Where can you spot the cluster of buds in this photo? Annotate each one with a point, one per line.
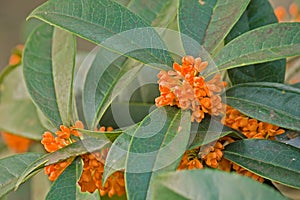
(251, 128)
(52, 143)
(187, 89)
(91, 177)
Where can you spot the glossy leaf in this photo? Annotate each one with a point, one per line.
(63, 64)
(102, 22)
(270, 159)
(20, 118)
(210, 184)
(268, 102)
(203, 21)
(18, 115)
(156, 146)
(110, 135)
(258, 13)
(267, 43)
(118, 152)
(11, 168)
(209, 130)
(151, 10)
(106, 78)
(66, 187)
(75, 149)
(38, 74)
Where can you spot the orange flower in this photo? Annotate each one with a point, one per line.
(186, 88)
(16, 56)
(91, 178)
(244, 172)
(16, 143)
(212, 154)
(53, 143)
(251, 128)
(293, 14)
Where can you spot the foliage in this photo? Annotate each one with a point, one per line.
(241, 46)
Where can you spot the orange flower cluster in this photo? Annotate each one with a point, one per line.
(251, 128)
(212, 156)
(187, 89)
(16, 143)
(209, 155)
(91, 177)
(190, 160)
(244, 172)
(51, 144)
(292, 15)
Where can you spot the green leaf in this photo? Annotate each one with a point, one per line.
(156, 146)
(151, 10)
(110, 135)
(274, 103)
(210, 184)
(258, 13)
(270, 159)
(20, 118)
(63, 64)
(11, 168)
(66, 187)
(38, 74)
(108, 75)
(118, 152)
(108, 24)
(87, 145)
(18, 115)
(209, 130)
(267, 43)
(204, 22)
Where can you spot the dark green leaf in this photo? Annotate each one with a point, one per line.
(65, 187)
(118, 152)
(270, 159)
(75, 149)
(110, 135)
(11, 169)
(108, 24)
(274, 103)
(20, 118)
(106, 78)
(18, 115)
(258, 13)
(203, 22)
(296, 85)
(150, 10)
(156, 146)
(210, 184)
(267, 43)
(39, 74)
(209, 130)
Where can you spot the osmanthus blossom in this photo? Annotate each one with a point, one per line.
(93, 168)
(290, 15)
(186, 88)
